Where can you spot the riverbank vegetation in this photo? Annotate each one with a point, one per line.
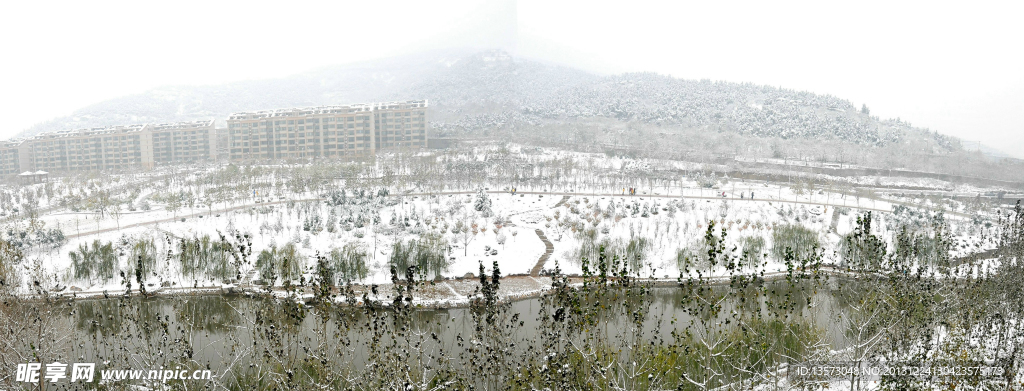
(892, 301)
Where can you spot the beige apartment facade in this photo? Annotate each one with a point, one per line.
(328, 131)
(111, 148)
(400, 125)
(10, 158)
(301, 133)
(179, 143)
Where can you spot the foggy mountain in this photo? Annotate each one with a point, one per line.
(451, 78)
(350, 83)
(474, 91)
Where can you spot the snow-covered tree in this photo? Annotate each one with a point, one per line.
(501, 239)
(483, 204)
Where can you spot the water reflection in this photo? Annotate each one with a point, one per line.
(213, 330)
(206, 313)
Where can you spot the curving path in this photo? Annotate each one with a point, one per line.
(561, 201)
(548, 250)
(548, 247)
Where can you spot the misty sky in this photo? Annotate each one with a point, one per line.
(955, 68)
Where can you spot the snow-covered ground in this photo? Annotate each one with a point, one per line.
(477, 223)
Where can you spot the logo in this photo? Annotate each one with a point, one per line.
(56, 371)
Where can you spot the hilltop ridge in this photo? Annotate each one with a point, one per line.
(473, 90)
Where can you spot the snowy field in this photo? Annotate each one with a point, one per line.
(250, 220)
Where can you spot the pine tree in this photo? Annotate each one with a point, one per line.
(483, 204)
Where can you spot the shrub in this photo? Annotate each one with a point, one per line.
(633, 253)
(143, 253)
(289, 262)
(349, 262)
(428, 255)
(99, 261)
(801, 240)
(10, 256)
(202, 256)
(861, 249)
(753, 250)
(265, 264)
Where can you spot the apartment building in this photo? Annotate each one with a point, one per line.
(10, 163)
(359, 130)
(328, 131)
(400, 125)
(178, 143)
(111, 148)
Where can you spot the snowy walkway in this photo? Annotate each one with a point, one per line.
(548, 250)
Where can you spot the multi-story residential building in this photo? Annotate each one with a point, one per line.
(400, 125)
(328, 131)
(111, 148)
(10, 158)
(222, 142)
(181, 142)
(300, 133)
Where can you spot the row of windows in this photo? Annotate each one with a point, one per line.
(189, 132)
(236, 151)
(302, 142)
(419, 113)
(299, 121)
(279, 129)
(247, 136)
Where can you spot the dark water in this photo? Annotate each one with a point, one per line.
(218, 329)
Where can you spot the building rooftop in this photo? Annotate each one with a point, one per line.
(400, 105)
(301, 111)
(339, 109)
(183, 125)
(11, 143)
(89, 132)
(118, 129)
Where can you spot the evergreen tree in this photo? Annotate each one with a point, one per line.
(483, 204)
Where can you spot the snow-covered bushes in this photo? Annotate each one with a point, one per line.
(483, 204)
(26, 239)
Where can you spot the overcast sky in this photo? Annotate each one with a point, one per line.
(955, 68)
